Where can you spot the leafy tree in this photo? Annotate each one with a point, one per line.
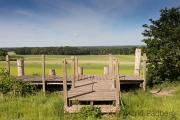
(3, 52)
(163, 47)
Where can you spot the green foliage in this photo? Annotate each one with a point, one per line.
(3, 52)
(75, 102)
(99, 50)
(10, 85)
(163, 47)
(90, 112)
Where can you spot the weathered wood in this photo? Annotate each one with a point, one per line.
(73, 70)
(52, 71)
(117, 85)
(7, 64)
(64, 83)
(43, 73)
(137, 61)
(106, 70)
(144, 71)
(80, 70)
(111, 67)
(76, 68)
(20, 64)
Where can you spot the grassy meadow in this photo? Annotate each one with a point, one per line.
(92, 64)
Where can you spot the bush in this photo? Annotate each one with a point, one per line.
(10, 85)
(90, 111)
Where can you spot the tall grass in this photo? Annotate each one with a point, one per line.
(35, 107)
(137, 105)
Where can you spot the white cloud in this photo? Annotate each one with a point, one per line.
(75, 35)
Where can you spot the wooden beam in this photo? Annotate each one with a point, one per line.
(52, 71)
(43, 73)
(76, 67)
(73, 70)
(137, 61)
(106, 70)
(144, 71)
(64, 82)
(111, 67)
(80, 70)
(117, 85)
(20, 64)
(7, 64)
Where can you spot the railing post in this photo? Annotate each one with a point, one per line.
(76, 67)
(137, 61)
(106, 70)
(111, 67)
(117, 85)
(80, 70)
(144, 71)
(64, 82)
(52, 71)
(20, 64)
(43, 73)
(72, 69)
(8, 64)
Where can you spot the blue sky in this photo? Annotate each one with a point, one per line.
(41, 23)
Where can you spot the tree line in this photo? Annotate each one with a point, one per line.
(102, 50)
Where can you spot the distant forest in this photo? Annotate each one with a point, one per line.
(98, 50)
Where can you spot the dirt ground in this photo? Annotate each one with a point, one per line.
(159, 92)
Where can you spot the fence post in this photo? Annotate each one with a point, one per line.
(137, 61)
(111, 67)
(76, 67)
(43, 73)
(8, 64)
(64, 82)
(144, 71)
(106, 70)
(117, 85)
(72, 69)
(80, 70)
(20, 64)
(52, 71)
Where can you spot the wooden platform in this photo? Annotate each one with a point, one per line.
(89, 88)
(58, 80)
(92, 91)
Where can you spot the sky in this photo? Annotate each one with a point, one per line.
(44, 23)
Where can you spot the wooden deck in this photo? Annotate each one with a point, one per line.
(58, 80)
(91, 89)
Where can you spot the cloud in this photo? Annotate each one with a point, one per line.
(75, 35)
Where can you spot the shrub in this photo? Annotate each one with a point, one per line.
(9, 84)
(90, 111)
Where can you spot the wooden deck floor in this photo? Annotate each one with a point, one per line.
(89, 88)
(93, 90)
(124, 79)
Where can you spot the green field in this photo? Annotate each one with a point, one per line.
(92, 64)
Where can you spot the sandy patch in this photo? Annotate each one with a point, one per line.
(160, 92)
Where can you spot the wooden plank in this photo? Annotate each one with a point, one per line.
(117, 85)
(43, 73)
(20, 65)
(137, 61)
(64, 83)
(7, 64)
(76, 67)
(73, 70)
(144, 71)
